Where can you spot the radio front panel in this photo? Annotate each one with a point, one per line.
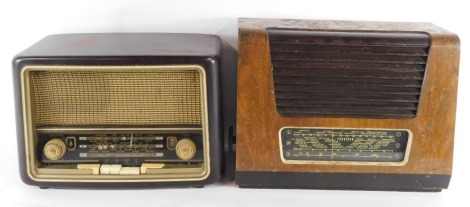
(105, 123)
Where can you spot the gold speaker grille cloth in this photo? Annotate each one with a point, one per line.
(164, 97)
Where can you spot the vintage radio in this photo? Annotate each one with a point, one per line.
(345, 105)
(119, 110)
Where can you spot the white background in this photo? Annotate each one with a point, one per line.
(22, 23)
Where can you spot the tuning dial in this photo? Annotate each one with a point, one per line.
(54, 149)
(185, 149)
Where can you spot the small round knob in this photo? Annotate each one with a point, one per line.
(54, 149)
(185, 149)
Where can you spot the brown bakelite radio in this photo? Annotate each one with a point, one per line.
(345, 105)
(119, 110)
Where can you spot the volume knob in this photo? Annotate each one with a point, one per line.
(185, 149)
(54, 149)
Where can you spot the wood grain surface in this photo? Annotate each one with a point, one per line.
(258, 122)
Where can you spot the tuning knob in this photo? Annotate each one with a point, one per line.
(185, 149)
(54, 149)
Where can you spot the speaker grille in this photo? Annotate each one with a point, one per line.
(348, 74)
(117, 98)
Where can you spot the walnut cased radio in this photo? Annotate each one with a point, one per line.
(119, 110)
(345, 105)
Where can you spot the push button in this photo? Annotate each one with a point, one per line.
(171, 142)
(71, 143)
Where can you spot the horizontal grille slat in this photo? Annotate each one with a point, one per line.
(328, 112)
(341, 89)
(348, 74)
(347, 82)
(348, 58)
(363, 50)
(345, 104)
(348, 97)
(349, 38)
(350, 66)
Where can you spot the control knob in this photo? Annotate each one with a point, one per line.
(185, 149)
(54, 149)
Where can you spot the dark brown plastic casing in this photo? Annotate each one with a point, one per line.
(126, 49)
